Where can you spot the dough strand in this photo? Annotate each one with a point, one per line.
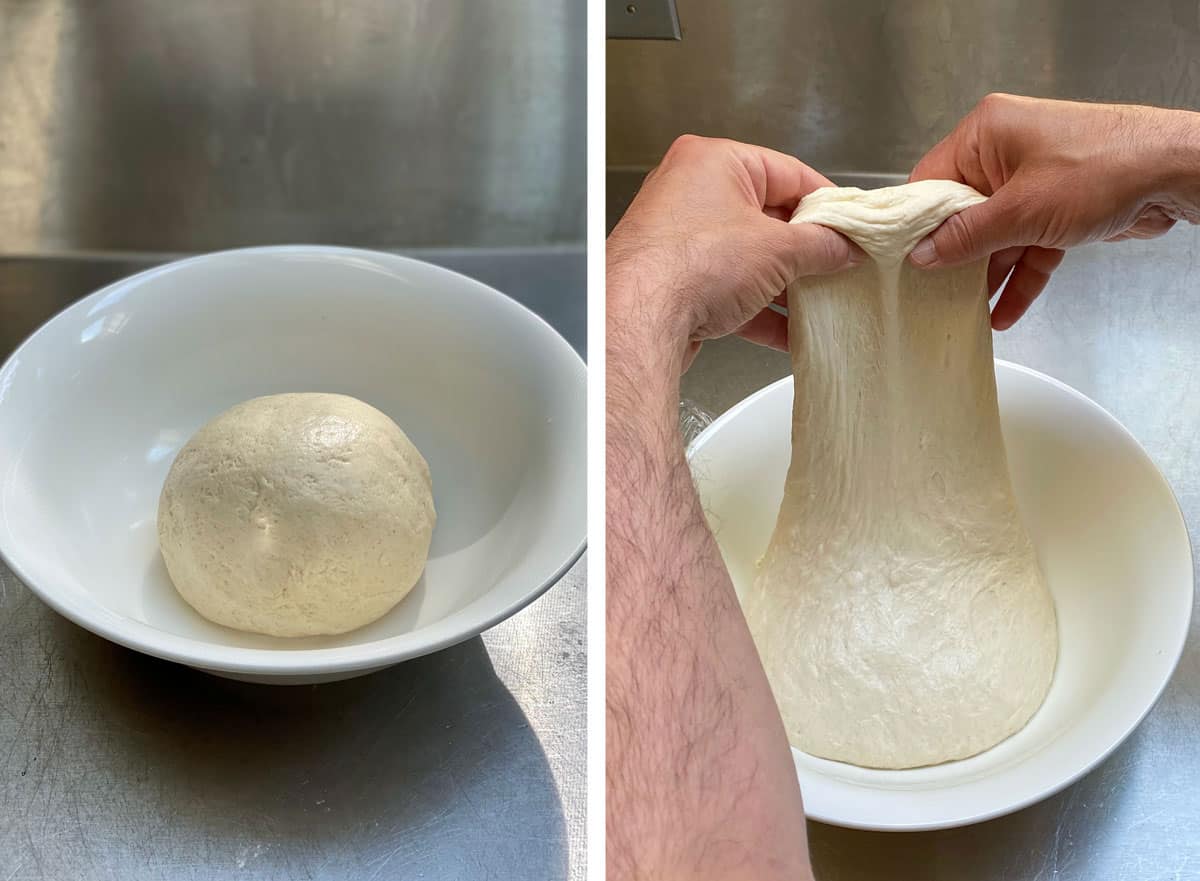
(899, 610)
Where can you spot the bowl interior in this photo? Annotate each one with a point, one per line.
(95, 406)
(1115, 552)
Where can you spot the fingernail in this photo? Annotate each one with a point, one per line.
(857, 255)
(924, 254)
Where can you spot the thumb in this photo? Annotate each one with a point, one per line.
(972, 234)
(809, 249)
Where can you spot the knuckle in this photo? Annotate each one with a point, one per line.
(814, 250)
(831, 252)
(686, 143)
(994, 101)
(956, 237)
(994, 108)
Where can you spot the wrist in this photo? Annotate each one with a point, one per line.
(642, 372)
(646, 330)
(642, 369)
(1176, 164)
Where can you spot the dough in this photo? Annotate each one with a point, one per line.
(296, 515)
(899, 610)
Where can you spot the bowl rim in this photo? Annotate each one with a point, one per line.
(1040, 792)
(145, 638)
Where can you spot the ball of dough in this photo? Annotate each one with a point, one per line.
(296, 515)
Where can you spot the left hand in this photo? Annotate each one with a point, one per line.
(706, 247)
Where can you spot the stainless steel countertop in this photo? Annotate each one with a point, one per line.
(465, 764)
(1121, 323)
(347, 122)
(872, 85)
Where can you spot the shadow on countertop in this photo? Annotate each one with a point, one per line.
(426, 770)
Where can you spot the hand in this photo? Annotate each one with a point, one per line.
(706, 247)
(1059, 173)
(701, 783)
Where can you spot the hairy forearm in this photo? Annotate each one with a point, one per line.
(1173, 165)
(700, 780)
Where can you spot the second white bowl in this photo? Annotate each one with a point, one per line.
(1114, 549)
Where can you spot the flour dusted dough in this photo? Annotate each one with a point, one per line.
(296, 515)
(899, 609)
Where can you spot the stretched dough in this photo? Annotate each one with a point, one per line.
(899, 610)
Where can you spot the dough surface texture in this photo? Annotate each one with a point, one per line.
(296, 515)
(899, 609)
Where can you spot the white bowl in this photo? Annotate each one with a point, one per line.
(1115, 552)
(94, 406)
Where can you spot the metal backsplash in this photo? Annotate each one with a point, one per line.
(869, 85)
(143, 125)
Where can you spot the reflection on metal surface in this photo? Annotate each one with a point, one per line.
(549, 281)
(869, 86)
(144, 126)
(432, 769)
(1121, 323)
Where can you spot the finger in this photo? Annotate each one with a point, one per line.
(781, 299)
(777, 212)
(780, 180)
(767, 328)
(808, 249)
(1028, 279)
(1000, 265)
(973, 233)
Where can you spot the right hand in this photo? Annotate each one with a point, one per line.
(1058, 173)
